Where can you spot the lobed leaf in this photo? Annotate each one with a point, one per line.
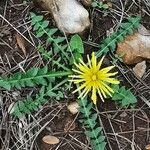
(123, 96)
(29, 105)
(89, 121)
(125, 28)
(33, 77)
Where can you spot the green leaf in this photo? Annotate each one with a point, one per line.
(101, 138)
(123, 96)
(100, 146)
(77, 56)
(89, 134)
(59, 39)
(77, 44)
(43, 70)
(33, 77)
(42, 91)
(29, 83)
(94, 4)
(110, 42)
(52, 31)
(45, 24)
(5, 84)
(55, 42)
(117, 96)
(32, 72)
(88, 119)
(36, 26)
(105, 6)
(40, 34)
(40, 81)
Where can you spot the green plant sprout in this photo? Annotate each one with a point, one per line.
(99, 5)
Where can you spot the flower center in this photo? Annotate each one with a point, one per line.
(94, 77)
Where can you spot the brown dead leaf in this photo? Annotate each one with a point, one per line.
(140, 69)
(21, 43)
(147, 147)
(48, 139)
(134, 49)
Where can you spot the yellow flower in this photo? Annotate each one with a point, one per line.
(91, 77)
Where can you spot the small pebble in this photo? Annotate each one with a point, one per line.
(73, 107)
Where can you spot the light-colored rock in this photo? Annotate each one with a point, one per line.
(69, 15)
(147, 147)
(135, 48)
(142, 30)
(48, 139)
(140, 69)
(86, 2)
(73, 107)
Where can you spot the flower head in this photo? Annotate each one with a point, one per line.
(91, 77)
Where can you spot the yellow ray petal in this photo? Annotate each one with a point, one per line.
(107, 69)
(94, 98)
(76, 81)
(111, 74)
(76, 65)
(84, 93)
(77, 71)
(106, 89)
(84, 69)
(94, 61)
(111, 80)
(81, 87)
(81, 61)
(89, 61)
(76, 76)
(100, 95)
(103, 93)
(100, 63)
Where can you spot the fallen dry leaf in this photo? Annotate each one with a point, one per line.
(140, 69)
(147, 147)
(21, 43)
(48, 139)
(134, 49)
(73, 107)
